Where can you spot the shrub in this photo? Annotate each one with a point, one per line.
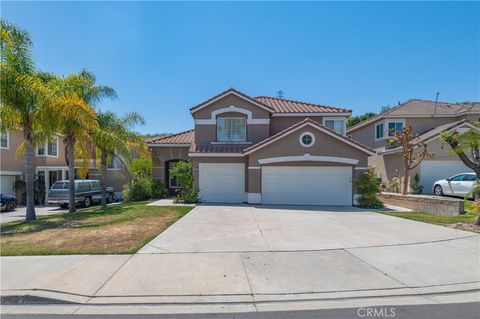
(143, 188)
(183, 172)
(393, 185)
(415, 185)
(158, 189)
(140, 167)
(368, 187)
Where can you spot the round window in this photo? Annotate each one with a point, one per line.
(307, 139)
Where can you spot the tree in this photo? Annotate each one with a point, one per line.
(357, 119)
(115, 138)
(76, 97)
(466, 146)
(24, 100)
(409, 145)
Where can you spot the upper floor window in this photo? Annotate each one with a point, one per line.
(4, 140)
(231, 129)
(48, 149)
(336, 125)
(394, 127)
(379, 131)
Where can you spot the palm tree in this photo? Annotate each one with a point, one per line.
(24, 100)
(76, 97)
(116, 138)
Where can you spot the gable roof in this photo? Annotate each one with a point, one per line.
(293, 106)
(432, 134)
(423, 108)
(299, 125)
(229, 92)
(182, 138)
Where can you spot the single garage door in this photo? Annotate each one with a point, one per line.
(307, 185)
(6, 184)
(432, 171)
(222, 183)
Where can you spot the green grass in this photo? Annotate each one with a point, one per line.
(121, 228)
(466, 218)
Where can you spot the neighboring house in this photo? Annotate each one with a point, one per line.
(49, 161)
(428, 120)
(265, 150)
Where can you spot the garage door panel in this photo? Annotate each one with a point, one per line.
(432, 171)
(6, 184)
(307, 185)
(222, 182)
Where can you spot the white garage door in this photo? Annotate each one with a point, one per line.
(222, 183)
(6, 184)
(432, 171)
(307, 185)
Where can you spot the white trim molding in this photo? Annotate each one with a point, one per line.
(168, 145)
(11, 173)
(254, 167)
(250, 100)
(309, 158)
(232, 108)
(215, 154)
(361, 168)
(254, 198)
(310, 114)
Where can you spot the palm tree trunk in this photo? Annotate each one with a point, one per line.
(103, 168)
(29, 179)
(71, 176)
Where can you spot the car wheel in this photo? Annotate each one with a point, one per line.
(87, 202)
(63, 206)
(11, 205)
(438, 190)
(110, 198)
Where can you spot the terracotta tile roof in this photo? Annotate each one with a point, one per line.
(231, 90)
(292, 106)
(218, 148)
(430, 134)
(295, 126)
(187, 137)
(422, 108)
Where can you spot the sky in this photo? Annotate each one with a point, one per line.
(164, 57)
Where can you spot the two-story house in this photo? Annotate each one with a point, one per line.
(49, 162)
(428, 120)
(265, 150)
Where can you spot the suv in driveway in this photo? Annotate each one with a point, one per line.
(86, 192)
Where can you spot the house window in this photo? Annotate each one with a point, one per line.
(379, 131)
(4, 140)
(231, 129)
(336, 125)
(52, 147)
(307, 139)
(114, 163)
(172, 180)
(394, 127)
(48, 149)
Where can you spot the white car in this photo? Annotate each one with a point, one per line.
(457, 185)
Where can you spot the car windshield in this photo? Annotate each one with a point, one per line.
(60, 185)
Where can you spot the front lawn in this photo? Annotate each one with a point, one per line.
(120, 229)
(464, 221)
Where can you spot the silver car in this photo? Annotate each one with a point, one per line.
(457, 185)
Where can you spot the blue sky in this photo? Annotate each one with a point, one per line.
(164, 57)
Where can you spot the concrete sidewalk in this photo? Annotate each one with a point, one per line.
(255, 281)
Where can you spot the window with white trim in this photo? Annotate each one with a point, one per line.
(336, 125)
(231, 129)
(48, 149)
(4, 140)
(394, 127)
(379, 131)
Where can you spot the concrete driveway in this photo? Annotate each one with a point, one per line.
(20, 212)
(210, 228)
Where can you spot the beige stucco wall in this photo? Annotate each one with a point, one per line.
(160, 155)
(279, 123)
(257, 112)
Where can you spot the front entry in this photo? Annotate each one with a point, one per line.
(222, 182)
(300, 185)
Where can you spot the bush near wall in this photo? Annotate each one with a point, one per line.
(368, 187)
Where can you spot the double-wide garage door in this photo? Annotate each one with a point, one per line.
(307, 185)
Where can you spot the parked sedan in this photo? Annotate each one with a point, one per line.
(9, 202)
(457, 185)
